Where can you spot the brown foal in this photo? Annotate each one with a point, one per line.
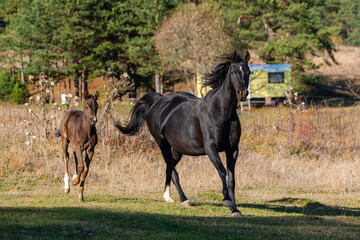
(78, 127)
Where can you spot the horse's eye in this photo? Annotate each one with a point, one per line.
(86, 107)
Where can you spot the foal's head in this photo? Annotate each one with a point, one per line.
(239, 73)
(91, 107)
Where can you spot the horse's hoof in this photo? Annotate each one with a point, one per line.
(228, 203)
(66, 190)
(186, 203)
(75, 182)
(81, 199)
(236, 214)
(169, 200)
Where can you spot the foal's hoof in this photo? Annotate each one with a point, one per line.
(81, 199)
(186, 203)
(66, 190)
(75, 182)
(236, 213)
(228, 203)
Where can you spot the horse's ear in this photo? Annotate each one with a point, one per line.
(234, 55)
(97, 95)
(247, 56)
(86, 93)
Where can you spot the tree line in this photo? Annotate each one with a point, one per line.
(148, 39)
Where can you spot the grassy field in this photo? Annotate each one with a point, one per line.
(297, 176)
(37, 213)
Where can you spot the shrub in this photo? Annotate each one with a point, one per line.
(306, 84)
(11, 88)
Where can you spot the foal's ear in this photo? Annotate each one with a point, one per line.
(97, 95)
(247, 56)
(86, 93)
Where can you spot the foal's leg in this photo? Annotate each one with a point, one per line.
(65, 156)
(80, 165)
(171, 173)
(212, 152)
(76, 164)
(88, 156)
(231, 156)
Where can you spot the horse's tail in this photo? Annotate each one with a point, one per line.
(138, 114)
(58, 134)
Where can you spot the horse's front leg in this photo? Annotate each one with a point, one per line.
(231, 156)
(212, 151)
(88, 156)
(80, 165)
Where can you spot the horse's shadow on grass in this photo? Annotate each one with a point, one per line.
(298, 205)
(81, 222)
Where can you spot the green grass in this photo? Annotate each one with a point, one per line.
(38, 213)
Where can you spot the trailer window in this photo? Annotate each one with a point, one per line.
(277, 77)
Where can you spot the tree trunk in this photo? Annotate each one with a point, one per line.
(83, 83)
(158, 82)
(22, 69)
(188, 81)
(69, 85)
(65, 90)
(195, 83)
(52, 98)
(76, 84)
(59, 92)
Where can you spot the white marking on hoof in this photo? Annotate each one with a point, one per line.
(167, 196)
(66, 181)
(74, 177)
(186, 203)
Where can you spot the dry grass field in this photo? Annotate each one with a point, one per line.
(317, 149)
(290, 161)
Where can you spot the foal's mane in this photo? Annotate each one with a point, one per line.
(217, 76)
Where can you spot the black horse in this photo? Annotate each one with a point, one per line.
(184, 124)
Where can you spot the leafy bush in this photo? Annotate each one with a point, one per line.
(11, 88)
(306, 84)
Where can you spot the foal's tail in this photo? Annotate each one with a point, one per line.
(138, 114)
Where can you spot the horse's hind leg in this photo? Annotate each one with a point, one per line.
(65, 156)
(88, 156)
(176, 158)
(172, 174)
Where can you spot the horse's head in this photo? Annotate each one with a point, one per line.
(239, 73)
(91, 107)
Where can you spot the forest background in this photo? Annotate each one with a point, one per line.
(170, 40)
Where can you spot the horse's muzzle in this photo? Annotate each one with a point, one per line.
(93, 121)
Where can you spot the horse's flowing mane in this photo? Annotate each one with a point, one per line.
(217, 76)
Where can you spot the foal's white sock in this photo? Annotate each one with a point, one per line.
(67, 180)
